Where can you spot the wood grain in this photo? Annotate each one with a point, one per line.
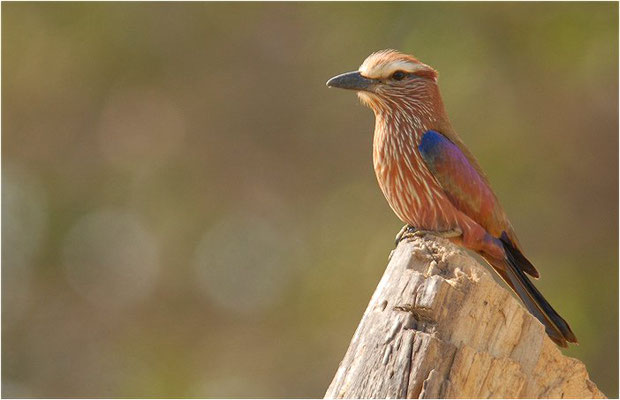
(439, 326)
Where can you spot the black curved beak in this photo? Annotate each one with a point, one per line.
(352, 81)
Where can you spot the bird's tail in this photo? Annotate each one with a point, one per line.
(512, 272)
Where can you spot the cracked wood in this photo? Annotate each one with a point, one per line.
(439, 326)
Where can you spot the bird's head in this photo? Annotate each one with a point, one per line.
(388, 78)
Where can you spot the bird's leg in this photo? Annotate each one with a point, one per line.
(409, 231)
(405, 232)
(450, 233)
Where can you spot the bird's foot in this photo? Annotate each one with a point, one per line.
(409, 231)
(406, 231)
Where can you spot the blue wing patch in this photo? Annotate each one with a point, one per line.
(433, 147)
(460, 181)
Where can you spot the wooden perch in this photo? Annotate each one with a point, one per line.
(439, 326)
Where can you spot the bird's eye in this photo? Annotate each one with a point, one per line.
(398, 75)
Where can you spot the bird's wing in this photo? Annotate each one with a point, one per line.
(469, 191)
(465, 187)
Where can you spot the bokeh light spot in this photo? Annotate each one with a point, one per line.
(111, 259)
(242, 264)
(24, 223)
(140, 126)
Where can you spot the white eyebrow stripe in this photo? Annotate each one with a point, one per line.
(384, 70)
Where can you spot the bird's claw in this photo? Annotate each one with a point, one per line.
(406, 231)
(450, 233)
(409, 231)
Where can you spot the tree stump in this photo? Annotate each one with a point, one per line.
(439, 326)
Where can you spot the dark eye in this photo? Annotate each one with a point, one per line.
(398, 75)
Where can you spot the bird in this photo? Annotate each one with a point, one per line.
(431, 180)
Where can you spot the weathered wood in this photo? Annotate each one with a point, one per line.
(439, 326)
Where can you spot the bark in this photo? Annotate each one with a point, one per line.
(439, 326)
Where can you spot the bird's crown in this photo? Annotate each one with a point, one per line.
(384, 63)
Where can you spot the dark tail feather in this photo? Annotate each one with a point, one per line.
(511, 271)
(520, 261)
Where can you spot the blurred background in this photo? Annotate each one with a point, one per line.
(188, 211)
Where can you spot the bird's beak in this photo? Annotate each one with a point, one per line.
(352, 81)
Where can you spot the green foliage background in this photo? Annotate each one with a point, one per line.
(188, 210)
